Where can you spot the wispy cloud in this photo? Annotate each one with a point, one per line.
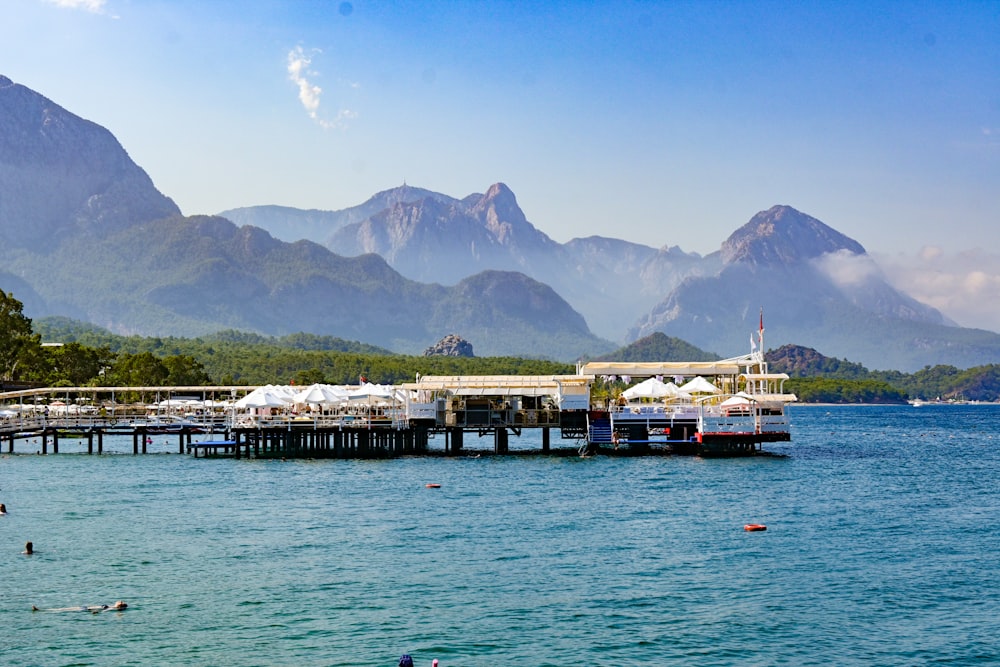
(964, 286)
(310, 93)
(94, 6)
(846, 269)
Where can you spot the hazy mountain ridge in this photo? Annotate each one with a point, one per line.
(292, 224)
(489, 231)
(817, 288)
(87, 235)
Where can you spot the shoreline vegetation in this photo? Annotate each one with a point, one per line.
(58, 351)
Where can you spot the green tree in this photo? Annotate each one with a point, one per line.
(138, 370)
(19, 346)
(183, 370)
(71, 365)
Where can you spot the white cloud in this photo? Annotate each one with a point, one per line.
(310, 93)
(964, 286)
(847, 269)
(95, 6)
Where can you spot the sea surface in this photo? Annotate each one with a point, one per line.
(882, 548)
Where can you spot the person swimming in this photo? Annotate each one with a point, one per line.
(3, 509)
(119, 605)
(29, 549)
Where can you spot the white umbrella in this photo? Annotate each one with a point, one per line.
(262, 397)
(737, 399)
(319, 394)
(369, 390)
(700, 385)
(651, 388)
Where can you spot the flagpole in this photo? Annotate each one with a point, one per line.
(760, 334)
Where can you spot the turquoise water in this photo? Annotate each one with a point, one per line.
(882, 548)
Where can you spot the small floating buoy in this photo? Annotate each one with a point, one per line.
(753, 527)
(433, 486)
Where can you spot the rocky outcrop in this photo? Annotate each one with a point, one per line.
(451, 345)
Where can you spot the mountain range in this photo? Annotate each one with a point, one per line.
(87, 235)
(817, 286)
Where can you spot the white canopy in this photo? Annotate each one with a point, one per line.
(699, 385)
(651, 388)
(741, 398)
(320, 394)
(369, 390)
(264, 397)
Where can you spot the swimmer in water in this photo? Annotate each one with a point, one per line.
(92, 608)
(3, 509)
(29, 549)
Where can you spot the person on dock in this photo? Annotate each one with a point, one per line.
(119, 605)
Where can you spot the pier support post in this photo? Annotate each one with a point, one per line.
(456, 440)
(90, 442)
(100, 442)
(500, 441)
(546, 439)
(55, 442)
(45, 442)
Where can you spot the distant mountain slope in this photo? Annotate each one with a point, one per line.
(60, 174)
(293, 224)
(659, 347)
(800, 361)
(66, 330)
(193, 276)
(818, 288)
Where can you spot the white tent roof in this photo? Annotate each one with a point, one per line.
(320, 394)
(264, 397)
(699, 385)
(651, 388)
(737, 399)
(369, 390)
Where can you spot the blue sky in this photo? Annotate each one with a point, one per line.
(664, 123)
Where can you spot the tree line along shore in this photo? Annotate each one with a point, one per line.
(62, 352)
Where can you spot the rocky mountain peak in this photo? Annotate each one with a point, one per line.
(451, 345)
(499, 213)
(783, 235)
(403, 194)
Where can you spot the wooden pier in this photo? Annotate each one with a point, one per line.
(734, 417)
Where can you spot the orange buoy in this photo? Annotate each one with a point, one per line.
(433, 486)
(753, 527)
